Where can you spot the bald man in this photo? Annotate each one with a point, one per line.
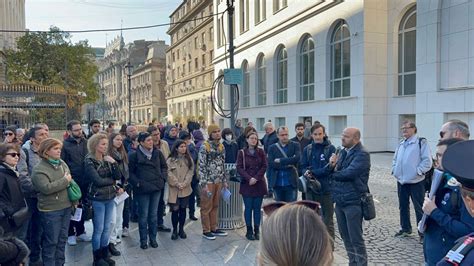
(350, 173)
(454, 129)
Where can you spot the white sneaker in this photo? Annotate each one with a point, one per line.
(71, 240)
(125, 232)
(118, 241)
(84, 238)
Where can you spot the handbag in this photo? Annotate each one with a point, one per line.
(368, 206)
(74, 191)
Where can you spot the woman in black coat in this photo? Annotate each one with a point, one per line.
(148, 171)
(11, 197)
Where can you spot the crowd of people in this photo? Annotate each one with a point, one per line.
(132, 175)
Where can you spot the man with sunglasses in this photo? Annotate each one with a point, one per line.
(350, 174)
(411, 161)
(454, 129)
(457, 160)
(29, 158)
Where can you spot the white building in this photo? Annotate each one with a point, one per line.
(364, 63)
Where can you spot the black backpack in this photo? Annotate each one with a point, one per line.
(429, 173)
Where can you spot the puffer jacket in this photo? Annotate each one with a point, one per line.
(351, 178)
(103, 176)
(147, 176)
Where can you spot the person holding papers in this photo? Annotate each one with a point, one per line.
(448, 217)
(116, 150)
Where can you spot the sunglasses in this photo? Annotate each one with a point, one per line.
(441, 134)
(8, 134)
(14, 154)
(270, 208)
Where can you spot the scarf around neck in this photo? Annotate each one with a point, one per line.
(148, 153)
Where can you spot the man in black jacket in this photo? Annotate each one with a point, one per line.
(269, 139)
(350, 174)
(74, 152)
(283, 158)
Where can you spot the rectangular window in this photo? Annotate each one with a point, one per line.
(211, 55)
(244, 16)
(219, 37)
(196, 43)
(245, 121)
(260, 123)
(203, 38)
(196, 64)
(279, 4)
(337, 125)
(280, 121)
(189, 66)
(211, 33)
(203, 60)
(260, 11)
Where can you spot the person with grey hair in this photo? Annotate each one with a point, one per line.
(20, 133)
(283, 159)
(269, 139)
(411, 161)
(454, 129)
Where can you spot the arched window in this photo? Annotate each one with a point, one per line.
(306, 70)
(407, 53)
(340, 61)
(261, 81)
(282, 76)
(245, 92)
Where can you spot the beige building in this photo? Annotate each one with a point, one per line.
(12, 17)
(148, 86)
(190, 72)
(147, 80)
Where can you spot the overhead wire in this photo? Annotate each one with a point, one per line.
(113, 29)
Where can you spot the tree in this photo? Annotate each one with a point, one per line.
(50, 58)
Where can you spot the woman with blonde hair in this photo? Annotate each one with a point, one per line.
(51, 177)
(103, 171)
(294, 234)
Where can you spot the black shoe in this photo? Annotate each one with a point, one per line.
(182, 234)
(163, 228)
(143, 245)
(98, 260)
(113, 250)
(153, 243)
(192, 217)
(219, 233)
(174, 236)
(256, 233)
(249, 234)
(209, 236)
(105, 256)
(402, 233)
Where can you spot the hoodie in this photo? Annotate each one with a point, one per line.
(168, 138)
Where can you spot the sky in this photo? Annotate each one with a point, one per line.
(102, 14)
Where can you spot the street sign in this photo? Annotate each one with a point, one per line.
(233, 76)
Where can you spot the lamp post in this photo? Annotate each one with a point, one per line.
(129, 70)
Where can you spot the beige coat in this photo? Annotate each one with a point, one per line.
(179, 172)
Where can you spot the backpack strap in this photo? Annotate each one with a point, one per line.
(420, 141)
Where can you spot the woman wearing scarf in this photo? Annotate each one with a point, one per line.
(148, 172)
(103, 171)
(117, 151)
(51, 177)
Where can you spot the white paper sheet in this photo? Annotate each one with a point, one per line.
(436, 180)
(121, 198)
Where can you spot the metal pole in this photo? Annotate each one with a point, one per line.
(103, 111)
(230, 13)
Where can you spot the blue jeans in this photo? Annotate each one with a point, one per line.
(286, 193)
(417, 194)
(55, 230)
(147, 215)
(349, 222)
(103, 211)
(253, 205)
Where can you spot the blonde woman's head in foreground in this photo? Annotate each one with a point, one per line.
(295, 235)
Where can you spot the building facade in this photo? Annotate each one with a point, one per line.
(366, 63)
(147, 85)
(190, 72)
(12, 17)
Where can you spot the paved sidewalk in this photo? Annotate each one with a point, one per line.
(383, 248)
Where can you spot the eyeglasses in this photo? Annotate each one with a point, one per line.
(405, 128)
(272, 207)
(8, 134)
(14, 154)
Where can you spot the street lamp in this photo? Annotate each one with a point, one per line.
(129, 70)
